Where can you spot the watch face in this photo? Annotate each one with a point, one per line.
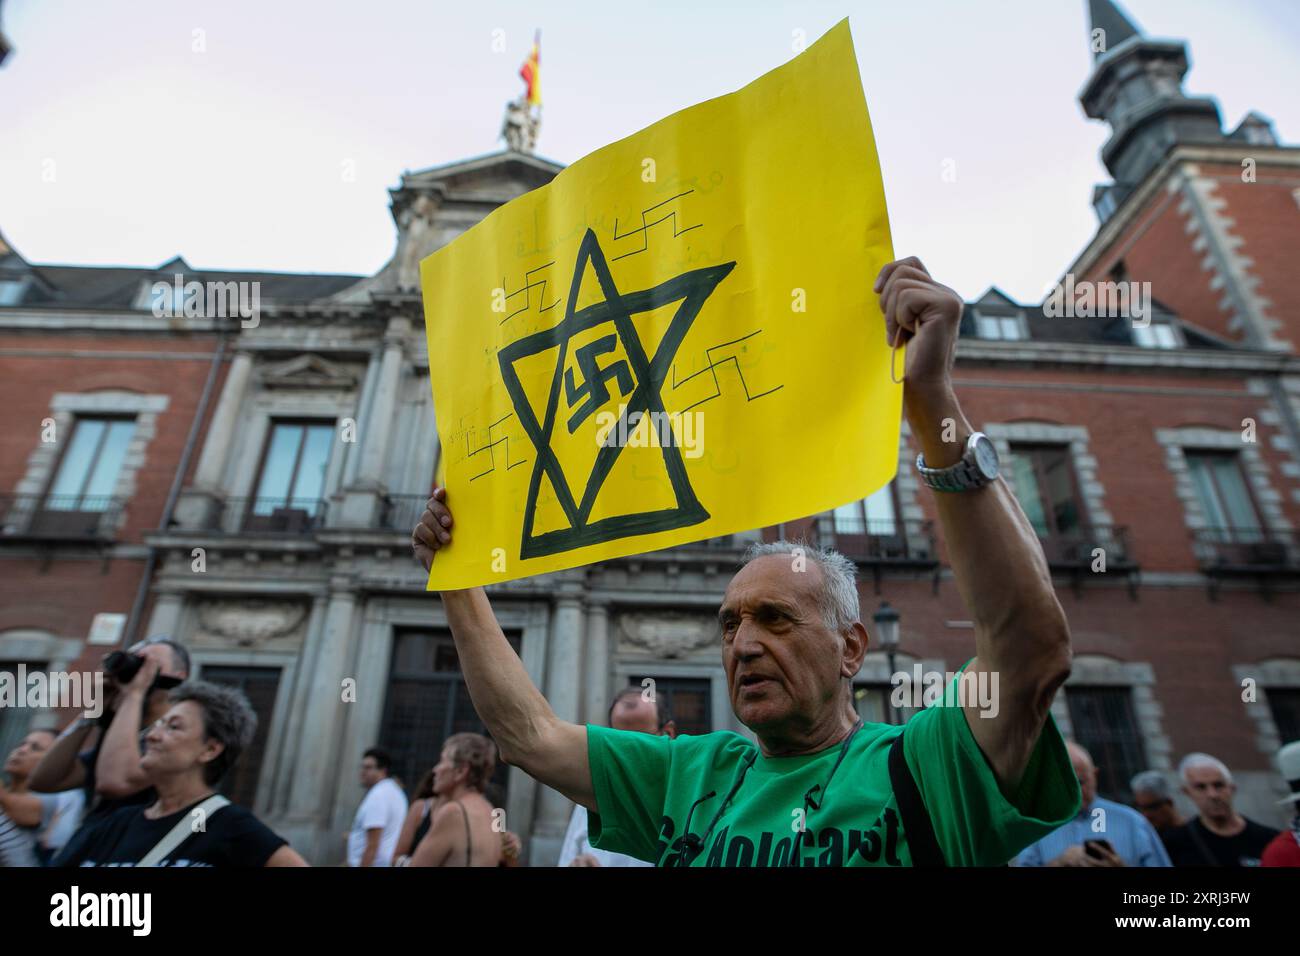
(986, 457)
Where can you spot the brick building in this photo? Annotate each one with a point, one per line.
(295, 452)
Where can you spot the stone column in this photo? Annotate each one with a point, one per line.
(316, 769)
(380, 424)
(563, 676)
(360, 503)
(286, 757)
(166, 616)
(198, 506)
(216, 447)
(596, 678)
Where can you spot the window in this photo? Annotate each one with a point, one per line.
(428, 702)
(1221, 490)
(11, 291)
(167, 300)
(1155, 335)
(873, 515)
(1045, 487)
(688, 700)
(293, 467)
(90, 465)
(1104, 725)
(1284, 702)
(259, 685)
(1002, 327)
(15, 722)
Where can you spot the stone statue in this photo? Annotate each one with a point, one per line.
(413, 242)
(521, 126)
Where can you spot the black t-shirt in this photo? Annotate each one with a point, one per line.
(231, 837)
(1243, 849)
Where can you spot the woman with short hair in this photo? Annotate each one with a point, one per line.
(462, 831)
(187, 752)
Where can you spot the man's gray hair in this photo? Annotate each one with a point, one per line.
(839, 592)
(1152, 782)
(1192, 761)
(228, 718)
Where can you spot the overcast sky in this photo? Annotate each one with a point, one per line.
(235, 156)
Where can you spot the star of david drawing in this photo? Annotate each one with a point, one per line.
(642, 375)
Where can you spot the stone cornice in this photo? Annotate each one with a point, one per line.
(973, 352)
(57, 319)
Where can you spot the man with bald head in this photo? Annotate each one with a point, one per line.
(1104, 833)
(639, 711)
(962, 784)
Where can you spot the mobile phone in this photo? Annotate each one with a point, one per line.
(1092, 847)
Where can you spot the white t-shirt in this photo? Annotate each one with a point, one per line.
(575, 843)
(383, 807)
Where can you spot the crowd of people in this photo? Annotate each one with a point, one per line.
(138, 787)
(954, 786)
(1154, 833)
(121, 812)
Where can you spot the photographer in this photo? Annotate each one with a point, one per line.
(187, 752)
(102, 755)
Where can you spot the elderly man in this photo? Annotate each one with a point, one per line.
(632, 710)
(1104, 833)
(822, 789)
(1155, 800)
(1219, 835)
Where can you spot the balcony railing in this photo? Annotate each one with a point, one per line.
(59, 517)
(401, 512)
(1091, 552)
(878, 541)
(1247, 551)
(286, 516)
(1084, 547)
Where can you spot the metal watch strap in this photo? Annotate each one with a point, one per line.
(961, 476)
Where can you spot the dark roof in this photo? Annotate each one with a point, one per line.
(118, 287)
(1078, 330)
(1116, 27)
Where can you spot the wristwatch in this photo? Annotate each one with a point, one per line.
(978, 466)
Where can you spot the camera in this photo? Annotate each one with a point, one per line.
(122, 666)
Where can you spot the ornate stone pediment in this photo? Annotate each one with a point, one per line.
(248, 622)
(433, 206)
(306, 371)
(668, 635)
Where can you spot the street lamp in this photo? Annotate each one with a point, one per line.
(886, 621)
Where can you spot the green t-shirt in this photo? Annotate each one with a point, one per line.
(645, 786)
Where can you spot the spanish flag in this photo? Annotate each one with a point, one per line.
(531, 72)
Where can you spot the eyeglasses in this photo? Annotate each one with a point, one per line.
(1152, 807)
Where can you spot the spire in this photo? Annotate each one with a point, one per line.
(1136, 87)
(1114, 26)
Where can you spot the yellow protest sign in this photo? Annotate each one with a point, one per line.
(674, 339)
